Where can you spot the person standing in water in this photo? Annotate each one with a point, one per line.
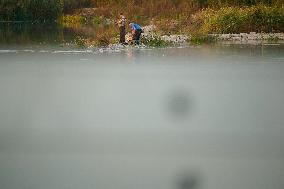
(122, 31)
(136, 31)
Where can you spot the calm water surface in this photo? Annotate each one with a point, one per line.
(208, 116)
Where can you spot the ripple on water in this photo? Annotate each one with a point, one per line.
(8, 51)
(71, 51)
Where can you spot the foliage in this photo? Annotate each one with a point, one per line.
(237, 19)
(31, 10)
(73, 21)
(135, 10)
(168, 26)
(154, 41)
(80, 42)
(273, 39)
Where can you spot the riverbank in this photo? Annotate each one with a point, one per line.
(254, 24)
(150, 37)
(96, 24)
(241, 38)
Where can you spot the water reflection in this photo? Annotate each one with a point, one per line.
(34, 33)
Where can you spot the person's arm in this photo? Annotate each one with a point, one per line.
(119, 22)
(133, 31)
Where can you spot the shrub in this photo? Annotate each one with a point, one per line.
(73, 21)
(236, 20)
(154, 41)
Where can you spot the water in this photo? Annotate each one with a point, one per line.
(206, 116)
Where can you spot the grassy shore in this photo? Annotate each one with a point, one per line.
(259, 18)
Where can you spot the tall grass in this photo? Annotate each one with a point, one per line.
(258, 18)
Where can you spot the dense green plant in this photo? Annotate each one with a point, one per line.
(154, 41)
(236, 20)
(30, 10)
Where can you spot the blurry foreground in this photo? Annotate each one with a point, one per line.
(176, 118)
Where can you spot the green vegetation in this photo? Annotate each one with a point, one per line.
(80, 42)
(273, 39)
(198, 39)
(73, 21)
(154, 41)
(239, 20)
(30, 10)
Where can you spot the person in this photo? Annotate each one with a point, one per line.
(136, 31)
(122, 31)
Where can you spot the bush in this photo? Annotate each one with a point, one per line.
(154, 41)
(237, 20)
(73, 21)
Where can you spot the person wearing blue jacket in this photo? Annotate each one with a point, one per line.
(136, 31)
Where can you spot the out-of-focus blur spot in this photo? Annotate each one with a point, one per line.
(115, 120)
(188, 181)
(179, 104)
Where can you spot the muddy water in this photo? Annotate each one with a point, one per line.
(196, 117)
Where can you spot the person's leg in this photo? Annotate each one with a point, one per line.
(138, 34)
(122, 34)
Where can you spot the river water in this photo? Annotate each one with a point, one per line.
(209, 116)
